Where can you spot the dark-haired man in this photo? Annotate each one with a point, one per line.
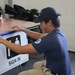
(53, 45)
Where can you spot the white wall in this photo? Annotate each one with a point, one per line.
(65, 7)
(2, 4)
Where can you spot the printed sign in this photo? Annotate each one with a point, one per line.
(16, 40)
(8, 58)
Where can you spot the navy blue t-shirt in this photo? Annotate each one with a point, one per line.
(54, 46)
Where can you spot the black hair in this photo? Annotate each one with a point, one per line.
(56, 22)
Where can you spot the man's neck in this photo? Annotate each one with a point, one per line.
(52, 28)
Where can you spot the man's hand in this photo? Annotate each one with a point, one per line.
(1, 39)
(19, 28)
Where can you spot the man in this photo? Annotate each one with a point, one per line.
(52, 43)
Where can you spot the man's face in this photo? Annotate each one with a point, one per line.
(45, 27)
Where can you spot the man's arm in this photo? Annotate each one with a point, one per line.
(18, 48)
(33, 34)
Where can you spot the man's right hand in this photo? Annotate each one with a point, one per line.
(19, 28)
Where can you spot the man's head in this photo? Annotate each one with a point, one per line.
(50, 16)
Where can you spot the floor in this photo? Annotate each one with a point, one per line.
(32, 60)
(72, 57)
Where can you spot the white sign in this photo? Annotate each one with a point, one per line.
(8, 58)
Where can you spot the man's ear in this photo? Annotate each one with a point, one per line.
(50, 22)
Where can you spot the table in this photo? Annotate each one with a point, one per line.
(8, 23)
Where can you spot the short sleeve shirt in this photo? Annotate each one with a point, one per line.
(54, 47)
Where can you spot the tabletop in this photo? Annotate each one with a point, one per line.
(8, 23)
